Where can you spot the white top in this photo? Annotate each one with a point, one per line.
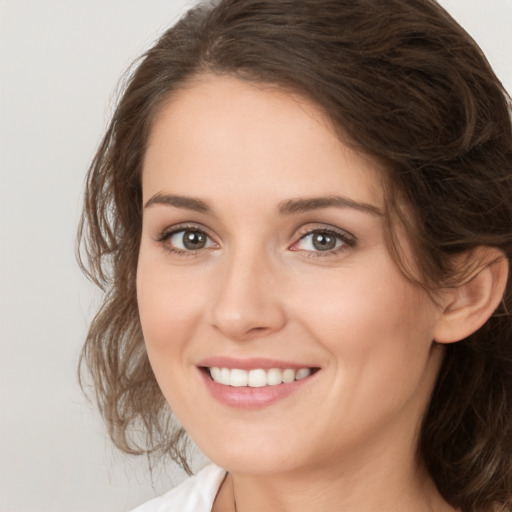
(196, 494)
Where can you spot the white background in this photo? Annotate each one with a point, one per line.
(60, 61)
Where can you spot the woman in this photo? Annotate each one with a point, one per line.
(301, 217)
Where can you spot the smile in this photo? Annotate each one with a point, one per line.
(255, 383)
(257, 378)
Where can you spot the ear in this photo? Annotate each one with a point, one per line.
(469, 305)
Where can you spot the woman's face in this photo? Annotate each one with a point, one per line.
(263, 255)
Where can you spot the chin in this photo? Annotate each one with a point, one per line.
(261, 456)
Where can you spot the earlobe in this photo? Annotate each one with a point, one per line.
(471, 303)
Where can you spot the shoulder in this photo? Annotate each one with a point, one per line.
(196, 494)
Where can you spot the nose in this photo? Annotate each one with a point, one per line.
(248, 302)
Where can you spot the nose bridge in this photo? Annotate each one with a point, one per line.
(247, 302)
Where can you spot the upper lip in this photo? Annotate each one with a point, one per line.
(251, 363)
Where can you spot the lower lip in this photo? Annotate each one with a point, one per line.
(251, 398)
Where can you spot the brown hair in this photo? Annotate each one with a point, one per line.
(407, 85)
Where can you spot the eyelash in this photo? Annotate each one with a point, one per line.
(347, 241)
(164, 238)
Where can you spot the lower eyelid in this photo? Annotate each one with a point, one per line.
(323, 254)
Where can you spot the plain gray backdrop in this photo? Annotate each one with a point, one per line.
(60, 62)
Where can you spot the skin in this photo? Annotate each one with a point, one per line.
(346, 440)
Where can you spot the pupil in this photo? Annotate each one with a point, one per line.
(194, 240)
(324, 242)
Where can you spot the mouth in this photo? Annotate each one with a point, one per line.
(257, 377)
(255, 383)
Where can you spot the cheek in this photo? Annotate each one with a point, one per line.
(374, 322)
(169, 309)
(169, 305)
(378, 332)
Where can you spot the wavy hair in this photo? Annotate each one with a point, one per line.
(405, 84)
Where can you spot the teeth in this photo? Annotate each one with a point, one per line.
(274, 377)
(257, 378)
(215, 374)
(288, 376)
(225, 376)
(237, 378)
(302, 373)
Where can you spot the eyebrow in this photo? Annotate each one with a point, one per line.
(303, 205)
(188, 203)
(288, 207)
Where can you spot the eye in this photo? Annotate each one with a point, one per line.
(187, 240)
(323, 240)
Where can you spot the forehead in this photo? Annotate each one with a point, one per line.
(222, 129)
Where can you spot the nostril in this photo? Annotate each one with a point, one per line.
(258, 329)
